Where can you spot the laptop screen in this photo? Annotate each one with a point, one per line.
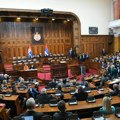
(28, 118)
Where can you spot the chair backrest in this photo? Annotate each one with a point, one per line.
(73, 101)
(72, 92)
(117, 112)
(53, 102)
(91, 99)
(46, 117)
(74, 117)
(97, 115)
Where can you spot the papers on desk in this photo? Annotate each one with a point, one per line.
(115, 81)
(100, 118)
(73, 103)
(31, 70)
(52, 105)
(118, 115)
(100, 92)
(8, 94)
(21, 88)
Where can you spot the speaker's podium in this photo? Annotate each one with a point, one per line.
(28, 73)
(59, 70)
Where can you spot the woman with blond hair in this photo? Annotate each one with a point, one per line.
(107, 108)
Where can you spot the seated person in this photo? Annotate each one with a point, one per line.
(26, 67)
(30, 104)
(59, 90)
(22, 98)
(103, 80)
(62, 115)
(107, 108)
(21, 80)
(33, 92)
(116, 90)
(44, 98)
(32, 67)
(84, 82)
(80, 94)
(52, 84)
(63, 84)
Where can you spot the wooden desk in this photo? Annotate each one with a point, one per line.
(15, 99)
(24, 92)
(110, 83)
(82, 105)
(28, 73)
(67, 96)
(107, 117)
(67, 89)
(3, 113)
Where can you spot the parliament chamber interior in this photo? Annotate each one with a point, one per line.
(59, 63)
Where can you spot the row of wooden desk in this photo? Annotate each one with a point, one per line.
(82, 105)
(107, 117)
(95, 93)
(67, 89)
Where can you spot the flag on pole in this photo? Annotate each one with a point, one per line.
(46, 52)
(30, 54)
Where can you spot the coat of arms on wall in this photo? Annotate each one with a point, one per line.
(37, 35)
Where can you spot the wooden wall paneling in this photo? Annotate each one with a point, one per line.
(59, 30)
(90, 52)
(37, 49)
(55, 49)
(17, 36)
(98, 42)
(34, 49)
(81, 47)
(21, 51)
(12, 52)
(62, 48)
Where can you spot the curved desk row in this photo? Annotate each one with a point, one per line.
(82, 105)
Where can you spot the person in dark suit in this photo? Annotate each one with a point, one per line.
(32, 67)
(44, 98)
(103, 52)
(52, 84)
(62, 115)
(33, 92)
(81, 94)
(30, 104)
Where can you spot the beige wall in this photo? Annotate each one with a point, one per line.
(92, 13)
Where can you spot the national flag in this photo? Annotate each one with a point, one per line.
(30, 54)
(46, 52)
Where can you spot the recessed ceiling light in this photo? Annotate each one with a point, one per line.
(68, 20)
(18, 18)
(36, 19)
(53, 19)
